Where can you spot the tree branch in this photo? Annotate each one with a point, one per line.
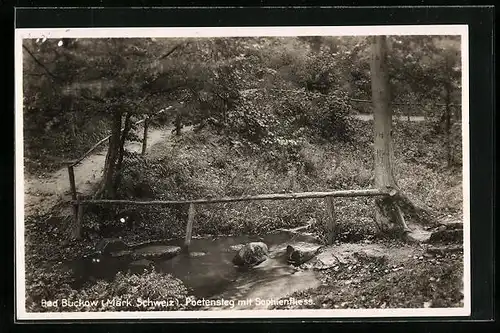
(57, 79)
(171, 51)
(163, 57)
(52, 75)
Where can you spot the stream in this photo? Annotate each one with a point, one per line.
(209, 273)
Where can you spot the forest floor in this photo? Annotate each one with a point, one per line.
(390, 274)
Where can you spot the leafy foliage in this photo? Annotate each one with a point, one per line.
(127, 292)
(73, 85)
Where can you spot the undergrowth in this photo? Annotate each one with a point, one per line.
(421, 283)
(204, 165)
(45, 153)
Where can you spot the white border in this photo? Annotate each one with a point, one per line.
(461, 30)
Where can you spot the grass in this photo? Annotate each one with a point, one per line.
(199, 165)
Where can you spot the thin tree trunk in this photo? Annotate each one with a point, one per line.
(107, 184)
(119, 166)
(447, 88)
(224, 113)
(178, 123)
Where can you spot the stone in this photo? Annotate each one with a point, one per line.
(329, 259)
(301, 252)
(251, 254)
(236, 247)
(140, 265)
(121, 254)
(418, 235)
(108, 245)
(374, 254)
(454, 225)
(442, 250)
(196, 254)
(448, 235)
(156, 252)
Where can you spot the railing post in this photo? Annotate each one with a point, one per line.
(72, 185)
(77, 208)
(189, 227)
(145, 136)
(77, 227)
(331, 223)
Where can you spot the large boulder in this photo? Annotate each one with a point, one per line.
(300, 252)
(156, 252)
(251, 254)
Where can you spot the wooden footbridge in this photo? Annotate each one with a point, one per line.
(78, 203)
(327, 196)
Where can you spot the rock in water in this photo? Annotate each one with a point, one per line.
(196, 254)
(251, 254)
(121, 254)
(236, 247)
(156, 251)
(139, 266)
(299, 253)
(108, 245)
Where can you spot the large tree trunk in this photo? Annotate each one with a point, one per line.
(388, 214)
(382, 115)
(391, 210)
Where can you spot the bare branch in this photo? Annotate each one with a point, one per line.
(52, 75)
(171, 51)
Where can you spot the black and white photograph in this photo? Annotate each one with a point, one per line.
(246, 172)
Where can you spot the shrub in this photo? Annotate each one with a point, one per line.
(127, 292)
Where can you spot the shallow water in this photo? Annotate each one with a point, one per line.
(209, 273)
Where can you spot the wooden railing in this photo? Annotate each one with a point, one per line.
(72, 163)
(327, 196)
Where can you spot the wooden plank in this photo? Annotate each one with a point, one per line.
(331, 223)
(189, 227)
(273, 196)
